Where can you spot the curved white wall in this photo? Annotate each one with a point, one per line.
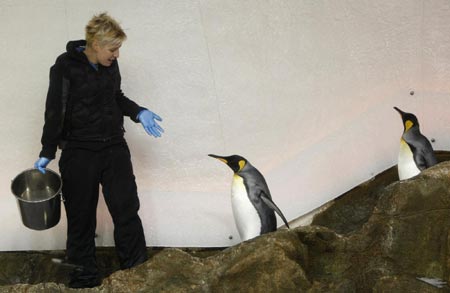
(303, 89)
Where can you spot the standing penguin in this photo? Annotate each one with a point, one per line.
(252, 204)
(416, 153)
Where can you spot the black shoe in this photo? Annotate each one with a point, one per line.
(132, 263)
(84, 282)
(84, 278)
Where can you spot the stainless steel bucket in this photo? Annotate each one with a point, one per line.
(39, 198)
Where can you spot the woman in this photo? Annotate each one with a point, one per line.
(84, 116)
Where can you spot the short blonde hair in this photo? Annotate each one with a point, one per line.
(105, 30)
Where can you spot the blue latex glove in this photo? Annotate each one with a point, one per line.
(41, 163)
(147, 118)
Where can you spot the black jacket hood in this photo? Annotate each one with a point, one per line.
(72, 51)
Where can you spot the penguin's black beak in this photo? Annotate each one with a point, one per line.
(220, 158)
(399, 111)
(235, 162)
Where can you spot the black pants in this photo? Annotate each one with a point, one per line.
(82, 171)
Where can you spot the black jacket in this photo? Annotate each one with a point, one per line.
(84, 104)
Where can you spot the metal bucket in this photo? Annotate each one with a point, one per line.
(39, 198)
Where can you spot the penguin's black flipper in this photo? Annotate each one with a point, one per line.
(430, 157)
(424, 155)
(274, 207)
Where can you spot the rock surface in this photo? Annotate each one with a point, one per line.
(379, 237)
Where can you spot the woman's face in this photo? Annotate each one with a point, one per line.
(107, 54)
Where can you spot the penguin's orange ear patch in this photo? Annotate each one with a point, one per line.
(241, 164)
(408, 124)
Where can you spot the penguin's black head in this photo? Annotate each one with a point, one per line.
(235, 162)
(409, 119)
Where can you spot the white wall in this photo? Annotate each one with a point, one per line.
(303, 89)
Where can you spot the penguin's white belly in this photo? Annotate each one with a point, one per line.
(245, 215)
(407, 168)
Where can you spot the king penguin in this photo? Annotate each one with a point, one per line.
(253, 208)
(416, 153)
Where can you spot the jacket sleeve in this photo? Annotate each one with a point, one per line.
(129, 108)
(54, 111)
